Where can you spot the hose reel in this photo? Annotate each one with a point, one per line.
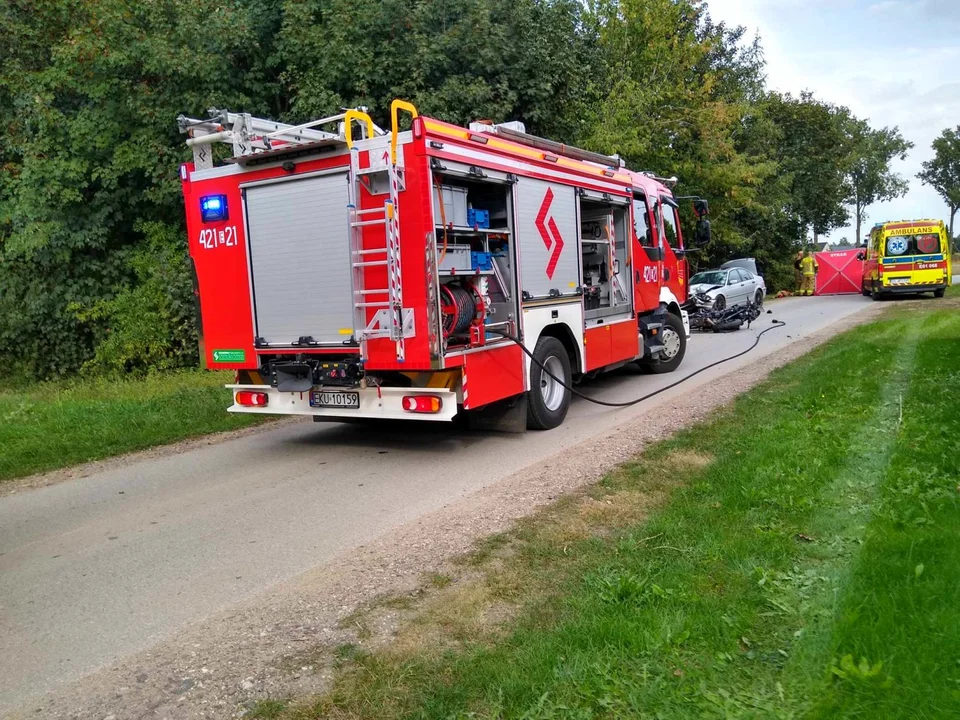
(457, 309)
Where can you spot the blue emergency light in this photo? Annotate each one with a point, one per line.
(213, 208)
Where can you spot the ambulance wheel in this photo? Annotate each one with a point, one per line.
(874, 293)
(548, 399)
(939, 293)
(864, 290)
(674, 341)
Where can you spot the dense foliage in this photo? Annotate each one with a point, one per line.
(93, 273)
(942, 173)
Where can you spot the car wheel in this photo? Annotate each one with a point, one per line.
(674, 341)
(548, 400)
(720, 303)
(758, 298)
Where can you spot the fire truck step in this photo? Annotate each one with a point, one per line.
(370, 252)
(364, 223)
(370, 263)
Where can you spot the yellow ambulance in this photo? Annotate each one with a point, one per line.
(907, 256)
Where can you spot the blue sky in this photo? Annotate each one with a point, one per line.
(893, 62)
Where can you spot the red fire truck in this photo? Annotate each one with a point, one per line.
(349, 272)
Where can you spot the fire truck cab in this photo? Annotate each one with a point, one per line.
(356, 273)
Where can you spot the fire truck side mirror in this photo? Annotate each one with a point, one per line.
(702, 234)
(701, 208)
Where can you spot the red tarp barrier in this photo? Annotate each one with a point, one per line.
(840, 272)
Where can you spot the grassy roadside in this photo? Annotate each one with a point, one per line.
(48, 426)
(796, 556)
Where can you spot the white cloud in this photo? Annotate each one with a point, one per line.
(887, 6)
(892, 62)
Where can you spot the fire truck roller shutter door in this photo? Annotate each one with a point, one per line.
(547, 239)
(300, 259)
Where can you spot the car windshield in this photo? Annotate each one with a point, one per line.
(710, 277)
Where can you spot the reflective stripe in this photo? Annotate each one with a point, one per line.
(913, 259)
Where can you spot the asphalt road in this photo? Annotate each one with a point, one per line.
(95, 569)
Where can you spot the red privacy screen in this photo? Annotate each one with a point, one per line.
(840, 272)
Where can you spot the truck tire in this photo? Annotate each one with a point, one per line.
(674, 340)
(548, 400)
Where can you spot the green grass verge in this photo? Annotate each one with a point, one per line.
(50, 425)
(796, 556)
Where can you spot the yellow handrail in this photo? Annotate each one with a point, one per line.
(359, 116)
(396, 106)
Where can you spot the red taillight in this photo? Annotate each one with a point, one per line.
(422, 403)
(248, 398)
(417, 127)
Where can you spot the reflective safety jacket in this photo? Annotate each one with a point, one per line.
(809, 266)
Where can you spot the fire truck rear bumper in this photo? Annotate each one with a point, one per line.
(387, 403)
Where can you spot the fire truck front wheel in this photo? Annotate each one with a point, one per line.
(548, 399)
(674, 341)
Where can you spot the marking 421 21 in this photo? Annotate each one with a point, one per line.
(211, 238)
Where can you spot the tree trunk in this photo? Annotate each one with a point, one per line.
(858, 210)
(953, 214)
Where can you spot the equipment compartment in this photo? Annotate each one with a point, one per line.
(475, 263)
(605, 257)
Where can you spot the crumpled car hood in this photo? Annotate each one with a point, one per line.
(703, 288)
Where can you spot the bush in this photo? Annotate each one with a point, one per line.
(151, 323)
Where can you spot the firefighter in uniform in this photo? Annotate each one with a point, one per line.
(809, 268)
(797, 274)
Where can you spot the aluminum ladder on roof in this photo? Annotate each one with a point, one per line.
(251, 135)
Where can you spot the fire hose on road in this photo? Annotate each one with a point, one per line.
(605, 403)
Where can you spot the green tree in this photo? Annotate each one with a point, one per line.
(679, 89)
(813, 152)
(89, 91)
(942, 173)
(870, 176)
(458, 60)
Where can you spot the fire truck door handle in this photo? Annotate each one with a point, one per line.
(637, 272)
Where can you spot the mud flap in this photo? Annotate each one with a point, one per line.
(509, 416)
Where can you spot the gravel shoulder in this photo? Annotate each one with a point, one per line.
(283, 642)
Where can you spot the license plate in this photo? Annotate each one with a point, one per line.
(899, 281)
(329, 398)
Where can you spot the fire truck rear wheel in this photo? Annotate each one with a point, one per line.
(674, 341)
(548, 400)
